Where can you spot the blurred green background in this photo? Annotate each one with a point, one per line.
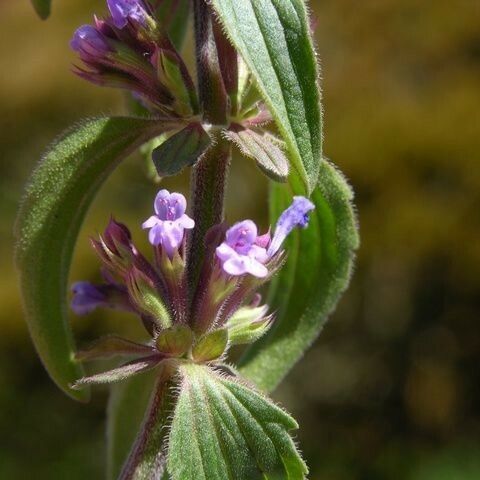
(391, 388)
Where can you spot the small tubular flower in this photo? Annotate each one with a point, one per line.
(296, 215)
(124, 10)
(239, 254)
(168, 225)
(89, 42)
(244, 251)
(86, 298)
(129, 50)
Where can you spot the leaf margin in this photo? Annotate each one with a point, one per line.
(270, 359)
(226, 10)
(59, 342)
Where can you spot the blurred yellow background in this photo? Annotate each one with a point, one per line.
(391, 388)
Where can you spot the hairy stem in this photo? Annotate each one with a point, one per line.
(209, 176)
(209, 179)
(147, 459)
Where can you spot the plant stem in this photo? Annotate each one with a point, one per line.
(209, 180)
(209, 176)
(147, 459)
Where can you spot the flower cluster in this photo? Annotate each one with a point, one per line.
(185, 320)
(129, 49)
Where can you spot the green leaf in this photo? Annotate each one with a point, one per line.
(118, 374)
(181, 150)
(54, 205)
(222, 429)
(273, 37)
(316, 273)
(42, 7)
(269, 158)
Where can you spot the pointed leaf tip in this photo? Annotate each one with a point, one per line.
(181, 150)
(273, 37)
(42, 7)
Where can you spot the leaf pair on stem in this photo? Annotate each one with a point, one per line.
(220, 426)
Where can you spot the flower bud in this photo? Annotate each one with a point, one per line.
(210, 346)
(296, 215)
(87, 297)
(175, 341)
(89, 42)
(115, 248)
(146, 298)
(248, 324)
(173, 73)
(123, 11)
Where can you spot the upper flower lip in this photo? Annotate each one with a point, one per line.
(169, 222)
(169, 206)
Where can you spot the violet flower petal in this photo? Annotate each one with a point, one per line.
(172, 236)
(294, 216)
(86, 298)
(241, 264)
(167, 227)
(151, 222)
(242, 236)
(169, 206)
(87, 39)
(124, 10)
(224, 252)
(186, 222)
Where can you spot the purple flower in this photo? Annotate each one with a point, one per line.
(86, 298)
(89, 41)
(169, 222)
(240, 254)
(294, 216)
(124, 10)
(243, 251)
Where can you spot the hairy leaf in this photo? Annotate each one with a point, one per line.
(181, 150)
(308, 287)
(42, 7)
(222, 429)
(273, 37)
(269, 158)
(118, 374)
(54, 205)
